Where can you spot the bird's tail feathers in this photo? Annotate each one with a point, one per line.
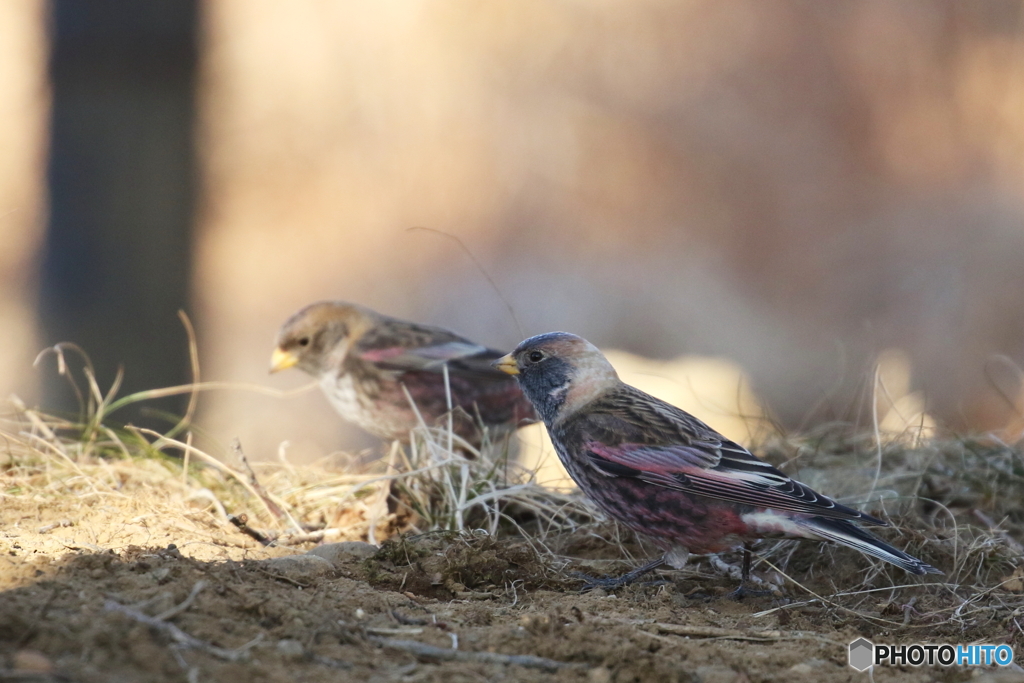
(846, 533)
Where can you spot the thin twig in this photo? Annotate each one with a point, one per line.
(185, 604)
(483, 271)
(185, 463)
(193, 397)
(272, 507)
(432, 653)
(242, 522)
(180, 637)
(736, 634)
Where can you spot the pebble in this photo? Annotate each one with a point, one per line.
(31, 661)
(346, 551)
(300, 568)
(719, 674)
(292, 649)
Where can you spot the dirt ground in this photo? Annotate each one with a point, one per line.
(120, 561)
(132, 585)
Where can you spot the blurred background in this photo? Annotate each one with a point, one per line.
(797, 192)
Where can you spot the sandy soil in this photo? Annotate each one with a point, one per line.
(134, 586)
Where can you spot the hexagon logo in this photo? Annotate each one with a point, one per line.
(862, 654)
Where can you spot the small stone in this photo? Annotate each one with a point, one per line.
(599, 674)
(299, 568)
(347, 551)
(290, 649)
(31, 661)
(717, 674)
(161, 574)
(801, 668)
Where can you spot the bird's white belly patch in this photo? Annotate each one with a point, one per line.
(341, 392)
(381, 419)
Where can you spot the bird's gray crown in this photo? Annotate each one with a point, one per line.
(545, 339)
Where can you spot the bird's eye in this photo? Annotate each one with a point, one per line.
(535, 356)
(304, 341)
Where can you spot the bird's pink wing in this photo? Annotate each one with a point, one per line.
(726, 471)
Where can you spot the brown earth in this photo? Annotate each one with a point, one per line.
(97, 588)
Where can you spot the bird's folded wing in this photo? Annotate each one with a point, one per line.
(722, 470)
(463, 357)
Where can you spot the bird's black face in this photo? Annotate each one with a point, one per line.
(544, 377)
(560, 373)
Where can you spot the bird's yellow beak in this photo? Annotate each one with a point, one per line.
(507, 364)
(282, 360)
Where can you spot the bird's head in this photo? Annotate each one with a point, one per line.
(318, 337)
(559, 372)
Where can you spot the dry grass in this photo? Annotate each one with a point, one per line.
(428, 485)
(957, 503)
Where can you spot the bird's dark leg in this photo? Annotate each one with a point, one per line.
(612, 582)
(742, 591)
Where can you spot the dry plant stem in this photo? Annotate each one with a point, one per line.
(62, 368)
(212, 461)
(483, 271)
(994, 529)
(431, 653)
(803, 603)
(180, 389)
(310, 537)
(241, 521)
(825, 601)
(180, 637)
(193, 399)
(187, 458)
(331, 662)
(268, 501)
(875, 426)
(379, 506)
(185, 604)
(736, 634)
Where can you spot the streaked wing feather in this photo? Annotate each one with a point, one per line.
(462, 356)
(630, 431)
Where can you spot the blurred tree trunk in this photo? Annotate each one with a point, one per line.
(122, 177)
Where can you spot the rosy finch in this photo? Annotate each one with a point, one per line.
(664, 473)
(370, 366)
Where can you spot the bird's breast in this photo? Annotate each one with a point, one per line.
(342, 394)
